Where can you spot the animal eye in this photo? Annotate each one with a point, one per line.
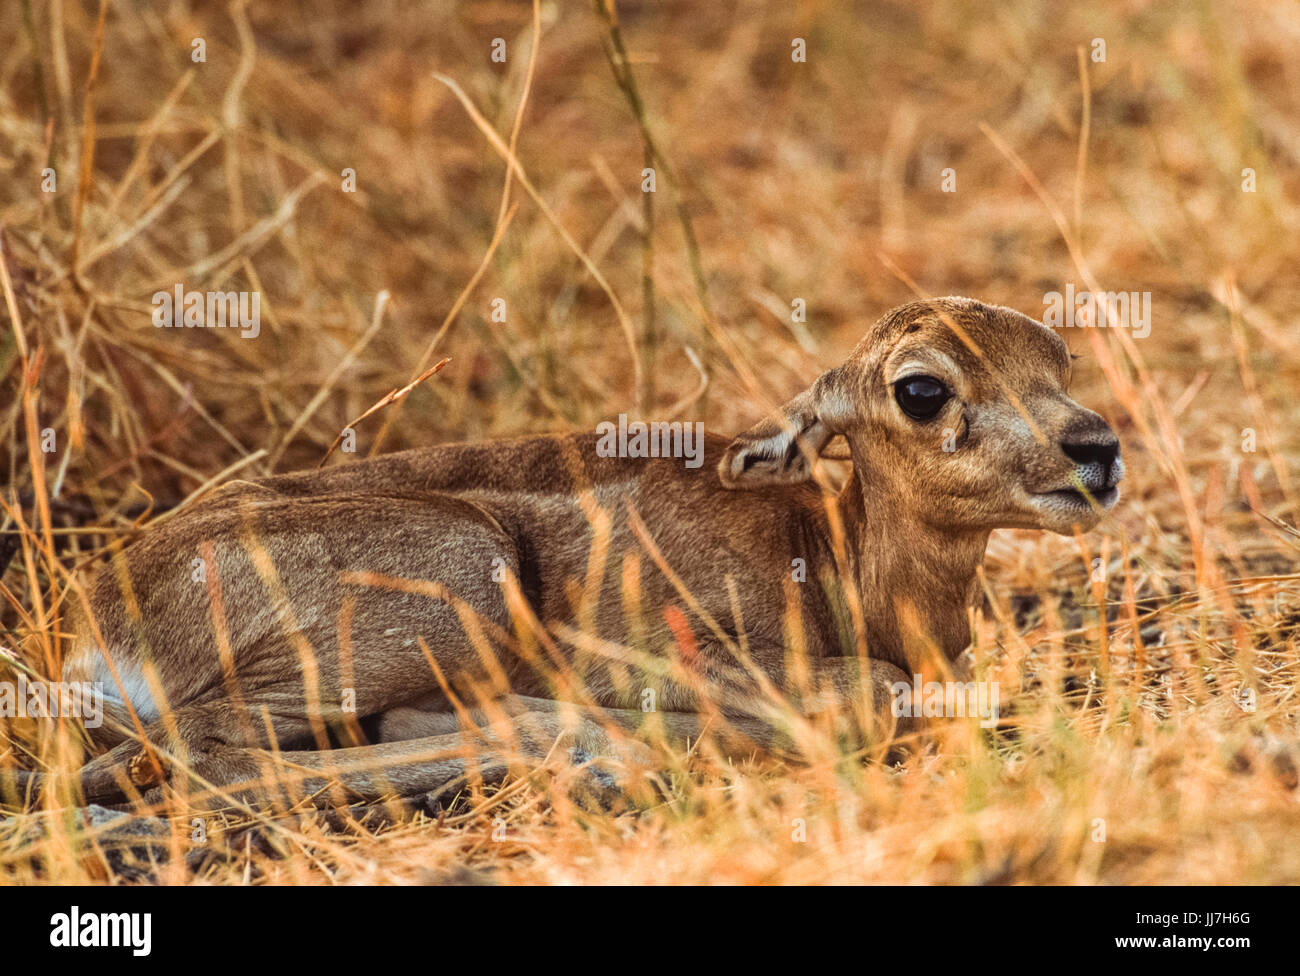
(921, 397)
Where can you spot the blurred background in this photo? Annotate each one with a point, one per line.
(820, 180)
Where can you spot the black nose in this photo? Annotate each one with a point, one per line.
(1103, 454)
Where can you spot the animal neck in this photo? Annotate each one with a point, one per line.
(916, 579)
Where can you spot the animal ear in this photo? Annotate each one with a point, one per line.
(781, 449)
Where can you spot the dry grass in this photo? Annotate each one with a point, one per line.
(777, 181)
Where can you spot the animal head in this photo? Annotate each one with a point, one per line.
(959, 412)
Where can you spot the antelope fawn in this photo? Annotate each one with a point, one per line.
(443, 607)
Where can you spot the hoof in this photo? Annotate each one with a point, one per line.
(146, 770)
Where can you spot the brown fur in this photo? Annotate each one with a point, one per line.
(351, 568)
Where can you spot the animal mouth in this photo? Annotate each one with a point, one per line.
(1103, 498)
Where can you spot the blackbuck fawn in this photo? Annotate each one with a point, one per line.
(396, 624)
